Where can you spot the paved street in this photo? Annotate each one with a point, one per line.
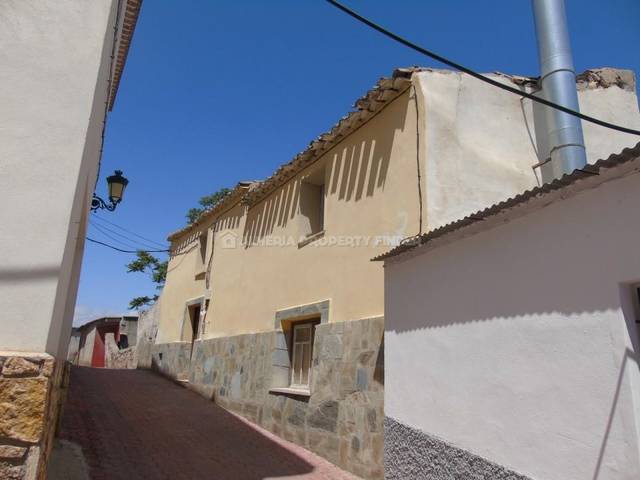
(133, 424)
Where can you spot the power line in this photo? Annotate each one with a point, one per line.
(477, 75)
(102, 228)
(121, 250)
(99, 229)
(126, 230)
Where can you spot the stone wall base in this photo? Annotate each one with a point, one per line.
(171, 359)
(32, 389)
(411, 453)
(146, 337)
(341, 420)
(116, 358)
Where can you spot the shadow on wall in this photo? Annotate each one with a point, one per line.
(556, 280)
(29, 274)
(628, 354)
(230, 221)
(562, 259)
(144, 435)
(353, 171)
(627, 303)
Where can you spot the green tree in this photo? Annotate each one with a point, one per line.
(206, 202)
(147, 263)
(139, 302)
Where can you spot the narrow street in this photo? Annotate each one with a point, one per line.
(134, 424)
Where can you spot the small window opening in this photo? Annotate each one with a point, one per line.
(301, 354)
(123, 342)
(636, 302)
(312, 203)
(194, 322)
(203, 248)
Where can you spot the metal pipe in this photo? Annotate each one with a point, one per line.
(558, 83)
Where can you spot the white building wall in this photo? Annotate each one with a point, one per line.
(55, 59)
(516, 344)
(85, 354)
(478, 143)
(74, 348)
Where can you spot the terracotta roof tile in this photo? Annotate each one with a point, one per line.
(131, 13)
(234, 196)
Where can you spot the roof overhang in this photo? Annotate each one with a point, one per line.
(130, 10)
(230, 200)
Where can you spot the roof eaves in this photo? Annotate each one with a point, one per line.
(131, 14)
(367, 106)
(231, 198)
(385, 90)
(542, 192)
(107, 319)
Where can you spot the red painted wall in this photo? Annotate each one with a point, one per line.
(97, 359)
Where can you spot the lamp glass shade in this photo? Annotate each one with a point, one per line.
(117, 183)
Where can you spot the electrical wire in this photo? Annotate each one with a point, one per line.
(102, 219)
(477, 75)
(121, 250)
(126, 237)
(110, 237)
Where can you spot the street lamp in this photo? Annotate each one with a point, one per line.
(117, 183)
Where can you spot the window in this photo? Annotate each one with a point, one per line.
(203, 248)
(630, 297)
(312, 203)
(200, 260)
(123, 342)
(321, 208)
(292, 360)
(194, 321)
(636, 301)
(302, 349)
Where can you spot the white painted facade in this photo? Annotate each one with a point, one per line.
(55, 78)
(519, 343)
(478, 143)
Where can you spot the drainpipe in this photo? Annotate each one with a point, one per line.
(558, 82)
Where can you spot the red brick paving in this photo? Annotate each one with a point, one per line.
(133, 424)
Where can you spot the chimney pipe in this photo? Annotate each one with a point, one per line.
(558, 83)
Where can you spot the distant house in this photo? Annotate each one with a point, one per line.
(272, 306)
(512, 336)
(93, 337)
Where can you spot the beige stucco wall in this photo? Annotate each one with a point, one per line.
(480, 142)
(55, 59)
(85, 354)
(371, 190)
(477, 147)
(181, 287)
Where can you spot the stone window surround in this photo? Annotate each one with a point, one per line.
(185, 315)
(280, 357)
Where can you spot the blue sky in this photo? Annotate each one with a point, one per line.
(215, 92)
